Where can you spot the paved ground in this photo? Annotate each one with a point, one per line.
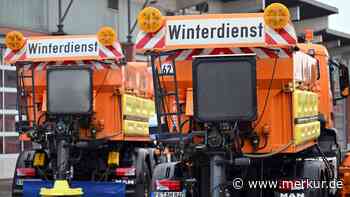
(5, 188)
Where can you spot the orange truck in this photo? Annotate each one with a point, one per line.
(238, 99)
(88, 110)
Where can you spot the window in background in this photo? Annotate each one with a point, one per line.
(9, 79)
(8, 123)
(2, 144)
(1, 81)
(2, 51)
(12, 145)
(10, 100)
(113, 4)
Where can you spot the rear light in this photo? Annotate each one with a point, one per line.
(125, 171)
(26, 172)
(168, 185)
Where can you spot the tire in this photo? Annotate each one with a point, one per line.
(143, 189)
(143, 177)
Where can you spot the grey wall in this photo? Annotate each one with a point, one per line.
(85, 16)
(236, 6)
(340, 123)
(31, 14)
(316, 24)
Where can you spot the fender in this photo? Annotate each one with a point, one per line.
(328, 141)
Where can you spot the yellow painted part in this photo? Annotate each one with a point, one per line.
(150, 20)
(305, 104)
(61, 188)
(276, 16)
(106, 36)
(39, 160)
(138, 107)
(306, 132)
(14, 40)
(113, 158)
(135, 128)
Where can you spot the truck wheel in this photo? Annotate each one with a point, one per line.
(17, 190)
(143, 189)
(143, 177)
(315, 170)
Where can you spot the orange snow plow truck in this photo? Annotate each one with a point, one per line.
(88, 110)
(238, 99)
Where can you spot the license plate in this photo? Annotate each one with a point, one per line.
(168, 194)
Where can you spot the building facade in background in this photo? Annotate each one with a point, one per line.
(10, 146)
(84, 17)
(9, 143)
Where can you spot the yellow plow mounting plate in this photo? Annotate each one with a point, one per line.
(61, 188)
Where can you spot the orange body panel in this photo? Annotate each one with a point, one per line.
(108, 87)
(323, 86)
(278, 118)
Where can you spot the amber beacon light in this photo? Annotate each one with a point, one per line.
(150, 20)
(276, 16)
(14, 40)
(106, 36)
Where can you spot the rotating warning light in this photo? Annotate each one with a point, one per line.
(106, 36)
(150, 20)
(14, 40)
(276, 16)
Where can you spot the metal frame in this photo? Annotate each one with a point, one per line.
(160, 93)
(23, 94)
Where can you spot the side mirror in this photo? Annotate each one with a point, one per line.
(340, 84)
(344, 80)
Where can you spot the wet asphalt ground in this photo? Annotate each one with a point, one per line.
(5, 188)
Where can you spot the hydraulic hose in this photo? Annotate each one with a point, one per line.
(284, 147)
